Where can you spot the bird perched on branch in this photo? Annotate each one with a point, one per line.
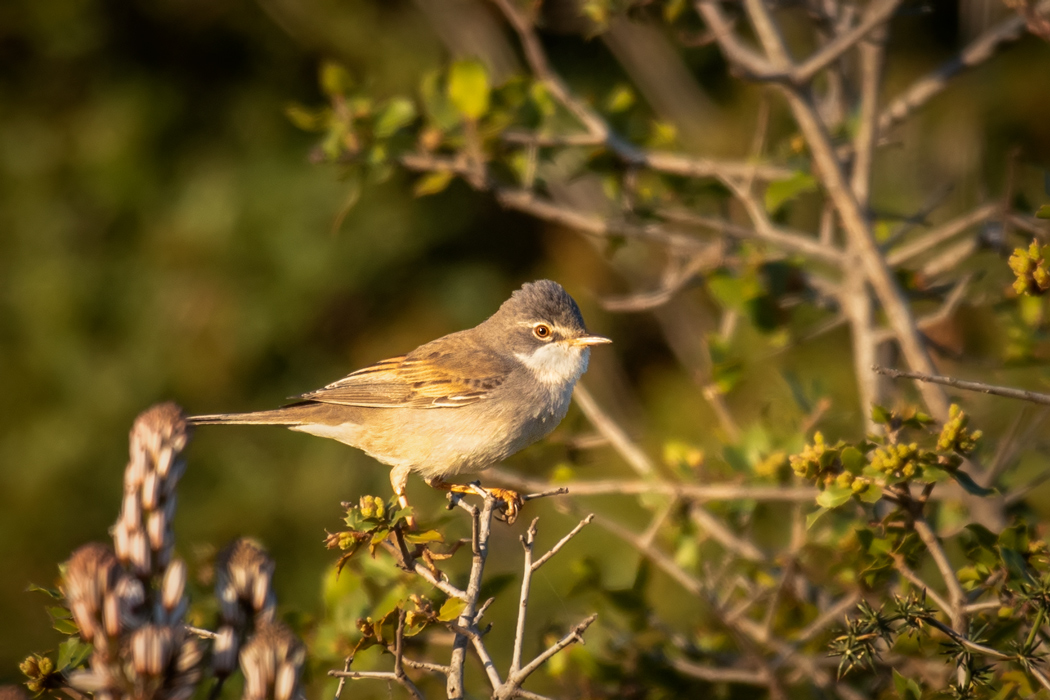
(458, 404)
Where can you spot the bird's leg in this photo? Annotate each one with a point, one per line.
(512, 501)
(399, 480)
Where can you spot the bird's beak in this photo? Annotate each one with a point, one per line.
(588, 340)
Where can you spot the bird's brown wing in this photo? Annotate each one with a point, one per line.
(440, 374)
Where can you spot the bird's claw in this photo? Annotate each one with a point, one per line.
(511, 503)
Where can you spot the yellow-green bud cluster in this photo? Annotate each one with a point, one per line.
(954, 436)
(1031, 268)
(372, 507)
(771, 465)
(814, 459)
(897, 460)
(37, 669)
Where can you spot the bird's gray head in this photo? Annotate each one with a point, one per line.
(542, 326)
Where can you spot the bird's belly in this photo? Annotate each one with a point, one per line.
(443, 442)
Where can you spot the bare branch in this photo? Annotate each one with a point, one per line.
(956, 595)
(724, 536)
(1006, 391)
(514, 680)
(716, 674)
(481, 529)
(976, 52)
(906, 572)
(755, 65)
(829, 617)
(944, 232)
(605, 425)
(697, 492)
(948, 308)
(678, 275)
(876, 13)
(562, 542)
(791, 241)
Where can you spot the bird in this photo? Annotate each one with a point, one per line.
(458, 404)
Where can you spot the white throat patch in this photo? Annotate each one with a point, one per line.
(556, 364)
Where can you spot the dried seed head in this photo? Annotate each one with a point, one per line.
(122, 541)
(111, 614)
(138, 547)
(156, 528)
(151, 650)
(244, 573)
(186, 671)
(151, 490)
(161, 426)
(90, 681)
(224, 651)
(272, 661)
(132, 602)
(173, 585)
(131, 510)
(90, 573)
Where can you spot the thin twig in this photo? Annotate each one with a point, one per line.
(1006, 391)
(696, 492)
(616, 435)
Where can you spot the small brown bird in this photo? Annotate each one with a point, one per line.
(458, 404)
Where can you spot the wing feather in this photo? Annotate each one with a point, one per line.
(429, 377)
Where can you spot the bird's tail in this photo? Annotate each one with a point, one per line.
(280, 416)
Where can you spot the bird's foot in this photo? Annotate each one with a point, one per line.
(511, 503)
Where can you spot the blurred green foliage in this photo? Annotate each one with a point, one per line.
(163, 235)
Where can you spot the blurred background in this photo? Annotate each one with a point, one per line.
(164, 235)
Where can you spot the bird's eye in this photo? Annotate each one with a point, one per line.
(542, 331)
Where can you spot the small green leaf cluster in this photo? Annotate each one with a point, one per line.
(1031, 270)
(372, 521)
(418, 611)
(837, 469)
(881, 463)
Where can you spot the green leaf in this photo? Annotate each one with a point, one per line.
(872, 494)
(834, 496)
(53, 592)
(781, 192)
(59, 613)
(969, 485)
(468, 88)
(71, 653)
(934, 475)
(907, 688)
(432, 183)
(852, 459)
(65, 626)
(308, 119)
(880, 414)
(452, 609)
(436, 103)
(620, 99)
(985, 537)
(813, 517)
(397, 113)
(421, 537)
(1044, 212)
(335, 80)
